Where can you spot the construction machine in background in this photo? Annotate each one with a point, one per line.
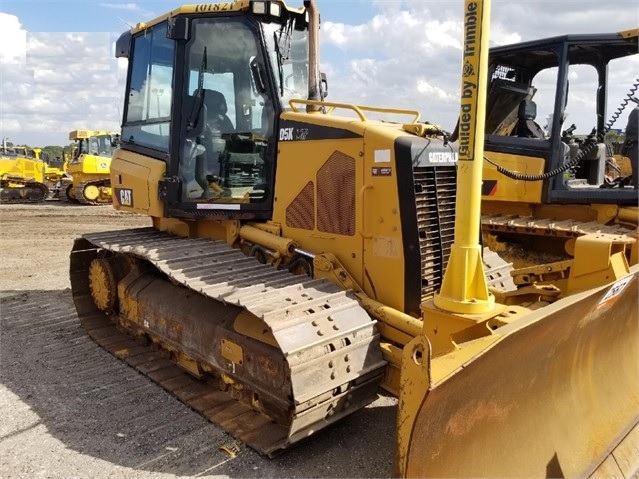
(22, 178)
(54, 169)
(89, 181)
(55, 173)
(546, 187)
(300, 259)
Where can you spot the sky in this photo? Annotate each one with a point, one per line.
(58, 73)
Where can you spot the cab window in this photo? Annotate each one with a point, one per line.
(227, 113)
(150, 94)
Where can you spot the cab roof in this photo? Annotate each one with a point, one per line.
(539, 53)
(208, 9)
(84, 134)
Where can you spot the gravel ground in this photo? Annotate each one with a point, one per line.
(70, 409)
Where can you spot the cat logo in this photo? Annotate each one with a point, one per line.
(124, 196)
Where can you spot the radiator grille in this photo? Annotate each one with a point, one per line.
(300, 213)
(336, 195)
(435, 191)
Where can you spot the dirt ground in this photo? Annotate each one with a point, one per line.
(70, 409)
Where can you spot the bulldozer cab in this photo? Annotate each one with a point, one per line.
(7, 152)
(206, 88)
(93, 143)
(533, 89)
(26, 152)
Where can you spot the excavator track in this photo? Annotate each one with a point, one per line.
(91, 192)
(27, 192)
(327, 346)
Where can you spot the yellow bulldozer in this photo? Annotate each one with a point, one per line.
(22, 175)
(300, 259)
(547, 186)
(89, 169)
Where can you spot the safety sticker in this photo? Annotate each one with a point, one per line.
(381, 171)
(614, 291)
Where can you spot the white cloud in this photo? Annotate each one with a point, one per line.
(79, 50)
(129, 10)
(408, 55)
(424, 87)
(53, 83)
(132, 7)
(12, 40)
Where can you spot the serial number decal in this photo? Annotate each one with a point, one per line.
(124, 196)
(213, 7)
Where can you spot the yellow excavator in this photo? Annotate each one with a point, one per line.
(89, 169)
(22, 178)
(299, 260)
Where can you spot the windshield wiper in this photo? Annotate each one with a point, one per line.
(280, 67)
(283, 53)
(198, 99)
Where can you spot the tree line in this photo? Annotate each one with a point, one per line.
(49, 151)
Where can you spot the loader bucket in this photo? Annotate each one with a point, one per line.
(553, 394)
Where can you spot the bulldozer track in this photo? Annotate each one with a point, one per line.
(497, 271)
(29, 192)
(80, 189)
(328, 341)
(548, 227)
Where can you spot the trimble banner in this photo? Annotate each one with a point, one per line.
(468, 126)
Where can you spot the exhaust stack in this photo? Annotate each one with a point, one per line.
(313, 55)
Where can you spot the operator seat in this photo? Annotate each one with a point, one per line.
(216, 111)
(526, 126)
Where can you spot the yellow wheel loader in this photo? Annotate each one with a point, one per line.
(22, 178)
(89, 181)
(300, 259)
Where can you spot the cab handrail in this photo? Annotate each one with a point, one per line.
(358, 109)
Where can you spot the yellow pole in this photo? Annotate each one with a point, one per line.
(464, 289)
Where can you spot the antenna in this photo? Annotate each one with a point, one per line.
(125, 22)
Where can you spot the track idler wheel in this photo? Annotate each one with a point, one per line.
(103, 284)
(91, 193)
(69, 194)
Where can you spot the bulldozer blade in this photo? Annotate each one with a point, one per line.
(554, 394)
